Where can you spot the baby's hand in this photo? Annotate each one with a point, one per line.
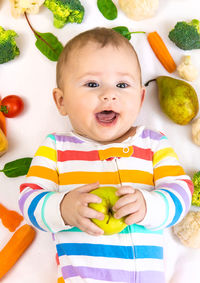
(75, 210)
(131, 205)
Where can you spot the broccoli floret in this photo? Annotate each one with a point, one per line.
(8, 47)
(186, 35)
(196, 194)
(65, 11)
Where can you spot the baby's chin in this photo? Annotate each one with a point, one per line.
(107, 135)
(117, 137)
(108, 140)
(111, 138)
(101, 137)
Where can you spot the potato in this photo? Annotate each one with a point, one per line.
(3, 143)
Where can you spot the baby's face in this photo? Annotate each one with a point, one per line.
(102, 93)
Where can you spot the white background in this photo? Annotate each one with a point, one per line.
(32, 76)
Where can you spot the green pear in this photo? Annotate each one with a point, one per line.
(178, 99)
(110, 224)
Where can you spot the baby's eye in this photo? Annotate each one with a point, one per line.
(92, 84)
(122, 85)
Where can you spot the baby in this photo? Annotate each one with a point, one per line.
(99, 88)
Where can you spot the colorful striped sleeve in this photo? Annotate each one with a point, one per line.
(40, 199)
(169, 202)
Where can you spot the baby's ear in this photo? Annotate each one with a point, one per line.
(58, 96)
(143, 92)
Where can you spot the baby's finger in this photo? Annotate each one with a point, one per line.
(124, 200)
(125, 190)
(134, 217)
(88, 212)
(127, 209)
(89, 227)
(87, 198)
(88, 188)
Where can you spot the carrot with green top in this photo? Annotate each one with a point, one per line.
(161, 51)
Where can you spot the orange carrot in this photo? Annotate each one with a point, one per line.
(3, 122)
(15, 247)
(161, 51)
(10, 218)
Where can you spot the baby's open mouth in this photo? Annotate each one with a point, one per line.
(107, 117)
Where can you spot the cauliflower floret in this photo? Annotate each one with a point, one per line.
(18, 7)
(188, 230)
(186, 70)
(139, 9)
(196, 131)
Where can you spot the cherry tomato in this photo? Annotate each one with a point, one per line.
(11, 106)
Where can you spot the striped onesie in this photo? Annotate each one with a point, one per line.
(144, 161)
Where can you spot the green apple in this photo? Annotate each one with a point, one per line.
(110, 224)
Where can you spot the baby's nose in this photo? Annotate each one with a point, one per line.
(108, 95)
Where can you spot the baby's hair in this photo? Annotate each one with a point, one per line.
(100, 35)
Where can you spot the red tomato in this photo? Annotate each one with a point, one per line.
(12, 106)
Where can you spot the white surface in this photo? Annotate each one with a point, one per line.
(32, 76)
